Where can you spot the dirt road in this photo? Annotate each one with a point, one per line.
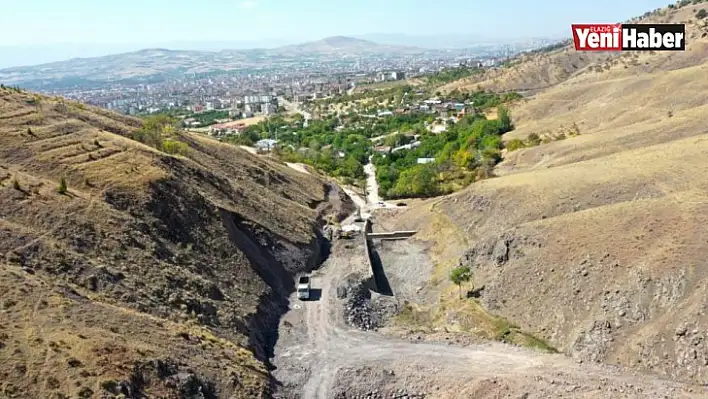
(319, 356)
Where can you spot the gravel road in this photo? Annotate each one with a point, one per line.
(319, 356)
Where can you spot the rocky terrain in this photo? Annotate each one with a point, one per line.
(593, 244)
(125, 270)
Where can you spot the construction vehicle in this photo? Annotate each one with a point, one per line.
(303, 288)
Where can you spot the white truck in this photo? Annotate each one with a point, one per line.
(303, 288)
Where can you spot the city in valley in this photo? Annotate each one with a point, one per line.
(449, 201)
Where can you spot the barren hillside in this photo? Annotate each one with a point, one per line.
(535, 72)
(151, 274)
(596, 243)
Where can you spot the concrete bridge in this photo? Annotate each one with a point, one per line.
(393, 235)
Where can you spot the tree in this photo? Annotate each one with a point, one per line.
(504, 118)
(460, 274)
(62, 186)
(702, 13)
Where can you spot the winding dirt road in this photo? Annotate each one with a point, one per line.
(319, 356)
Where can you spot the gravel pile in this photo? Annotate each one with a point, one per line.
(375, 394)
(364, 309)
(359, 311)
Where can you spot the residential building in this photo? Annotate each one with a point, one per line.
(422, 161)
(249, 100)
(398, 75)
(269, 109)
(228, 128)
(266, 145)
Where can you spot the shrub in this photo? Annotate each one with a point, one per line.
(16, 184)
(533, 140)
(515, 144)
(702, 13)
(174, 147)
(62, 186)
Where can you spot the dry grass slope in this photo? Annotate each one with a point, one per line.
(152, 273)
(597, 243)
(536, 72)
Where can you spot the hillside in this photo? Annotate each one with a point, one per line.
(531, 73)
(152, 274)
(343, 45)
(155, 64)
(595, 243)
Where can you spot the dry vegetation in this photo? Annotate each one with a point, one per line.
(536, 72)
(595, 243)
(149, 274)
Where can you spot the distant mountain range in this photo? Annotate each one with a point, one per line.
(161, 62)
(346, 46)
(164, 62)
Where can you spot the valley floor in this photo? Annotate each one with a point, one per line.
(318, 355)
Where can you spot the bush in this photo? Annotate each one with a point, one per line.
(62, 186)
(533, 140)
(175, 147)
(702, 13)
(16, 184)
(515, 144)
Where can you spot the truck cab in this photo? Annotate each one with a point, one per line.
(303, 288)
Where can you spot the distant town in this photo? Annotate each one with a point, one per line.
(244, 95)
(255, 91)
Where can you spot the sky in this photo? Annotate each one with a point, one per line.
(80, 27)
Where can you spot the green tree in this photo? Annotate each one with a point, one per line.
(418, 181)
(702, 13)
(460, 275)
(504, 118)
(62, 186)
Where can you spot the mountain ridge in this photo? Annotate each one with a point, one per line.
(142, 63)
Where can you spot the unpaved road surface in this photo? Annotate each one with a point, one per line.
(302, 168)
(319, 356)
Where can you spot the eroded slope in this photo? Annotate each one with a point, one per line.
(596, 243)
(152, 273)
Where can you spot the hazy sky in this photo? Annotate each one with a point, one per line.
(33, 22)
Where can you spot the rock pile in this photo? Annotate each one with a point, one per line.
(375, 394)
(359, 311)
(363, 309)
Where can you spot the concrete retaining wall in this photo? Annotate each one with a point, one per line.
(382, 285)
